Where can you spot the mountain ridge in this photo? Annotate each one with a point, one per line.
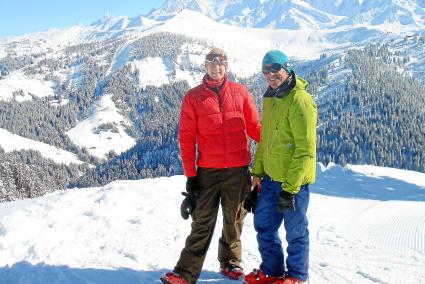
(296, 14)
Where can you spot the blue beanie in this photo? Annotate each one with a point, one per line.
(276, 57)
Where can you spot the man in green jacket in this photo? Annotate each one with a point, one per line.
(284, 166)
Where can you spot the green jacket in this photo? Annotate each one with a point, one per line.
(287, 148)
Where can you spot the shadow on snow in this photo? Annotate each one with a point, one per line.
(41, 273)
(343, 182)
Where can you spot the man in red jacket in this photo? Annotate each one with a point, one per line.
(216, 119)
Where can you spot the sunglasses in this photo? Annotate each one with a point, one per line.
(216, 59)
(272, 68)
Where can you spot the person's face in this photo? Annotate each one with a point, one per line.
(216, 68)
(275, 75)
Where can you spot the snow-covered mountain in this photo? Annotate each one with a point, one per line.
(108, 27)
(297, 14)
(115, 86)
(245, 47)
(116, 44)
(360, 19)
(322, 26)
(366, 226)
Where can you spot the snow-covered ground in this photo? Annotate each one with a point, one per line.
(30, 86)
(152, 71)
(103, 130)
(367, 225)
(11, 142)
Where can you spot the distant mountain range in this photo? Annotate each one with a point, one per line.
(344, 22)
(299, 14)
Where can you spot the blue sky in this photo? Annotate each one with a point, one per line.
(27, 16)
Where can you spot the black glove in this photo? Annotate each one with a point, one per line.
(286, 202)
(251, 200)
(188, 204)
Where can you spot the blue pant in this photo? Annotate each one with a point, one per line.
(267, 220)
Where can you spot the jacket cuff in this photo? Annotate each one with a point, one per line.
(189, 171)
(290, 189)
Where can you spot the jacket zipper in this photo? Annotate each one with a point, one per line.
(270, 142)
(222, 125)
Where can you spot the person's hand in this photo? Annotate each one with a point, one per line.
(251, 200)
(286, 202)
(189, 202)
(256, 182)
(187, 206)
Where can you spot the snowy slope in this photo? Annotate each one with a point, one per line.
(30, 86)
(103, 130)
(10, 142)
(131, 231)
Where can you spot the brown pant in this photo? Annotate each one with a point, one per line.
(230, 186)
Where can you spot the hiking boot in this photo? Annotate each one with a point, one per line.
(232, 271)
(172, 278)
(258, 277)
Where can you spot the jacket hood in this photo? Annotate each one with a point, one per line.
(301, 84)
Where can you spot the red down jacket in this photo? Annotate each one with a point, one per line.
(218, 124)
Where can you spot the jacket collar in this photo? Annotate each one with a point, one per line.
(214, 85)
